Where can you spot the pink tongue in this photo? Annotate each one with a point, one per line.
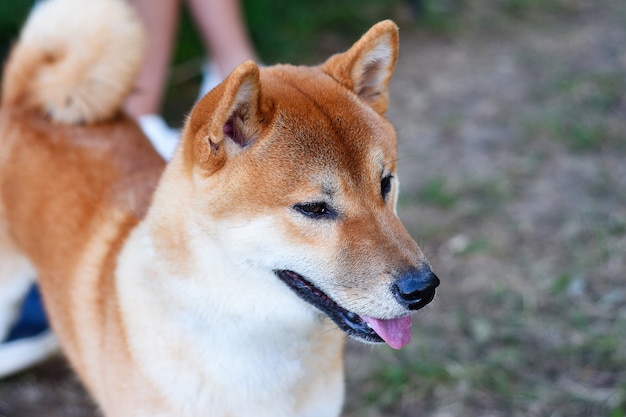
(396, 332)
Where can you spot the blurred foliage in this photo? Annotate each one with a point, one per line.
(297, 31)
(12, 15)
(294, 31)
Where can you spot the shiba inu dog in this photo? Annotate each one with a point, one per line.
(224, 283)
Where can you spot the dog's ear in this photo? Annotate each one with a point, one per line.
(226, 120)
(366, 68)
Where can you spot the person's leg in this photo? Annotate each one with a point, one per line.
(224, 35)
(160, 20)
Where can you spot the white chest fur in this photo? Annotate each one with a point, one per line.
(226, 339)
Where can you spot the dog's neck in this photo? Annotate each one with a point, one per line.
(217, 326)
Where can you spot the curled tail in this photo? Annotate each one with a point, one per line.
(75, 60)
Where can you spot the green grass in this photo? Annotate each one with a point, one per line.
(530, 7)
(581, 111)
(437, 193)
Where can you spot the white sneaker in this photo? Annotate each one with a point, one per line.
(21, 354)
(163, 138)
(211, 77)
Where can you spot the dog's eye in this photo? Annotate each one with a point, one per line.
(316, 210)
(385, 186)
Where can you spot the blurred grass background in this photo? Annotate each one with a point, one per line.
(511, 117)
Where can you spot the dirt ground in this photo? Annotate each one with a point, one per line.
(513, 179)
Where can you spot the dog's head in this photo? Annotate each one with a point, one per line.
(300, 163)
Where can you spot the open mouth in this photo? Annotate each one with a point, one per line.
(395, 332)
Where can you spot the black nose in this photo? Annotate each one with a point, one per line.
(415, 288)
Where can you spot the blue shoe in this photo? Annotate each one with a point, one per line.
(30, 340)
